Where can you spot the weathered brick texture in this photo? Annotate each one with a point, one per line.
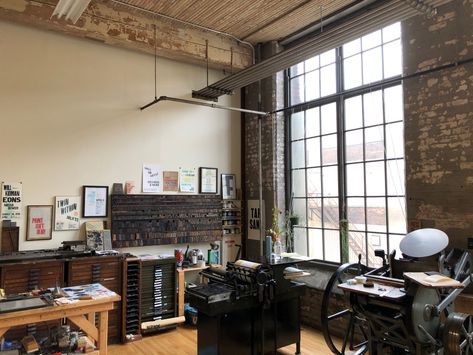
(439, 121)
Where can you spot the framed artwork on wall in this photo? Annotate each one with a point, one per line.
(208, 180)
(228, 186)
(94, 201)
(67, 213)
(39, 222)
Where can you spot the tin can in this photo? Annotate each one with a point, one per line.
(179, 256)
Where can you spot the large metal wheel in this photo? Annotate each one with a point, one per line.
(335, 310)
(458, 334)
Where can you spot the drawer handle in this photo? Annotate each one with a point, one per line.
(109, 279)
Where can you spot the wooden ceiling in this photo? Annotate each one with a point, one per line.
(217, 33)
(250, 20)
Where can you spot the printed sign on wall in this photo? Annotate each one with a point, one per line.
(254, 219)
(11, 201)
(187, 180)
(151, 178)
(67, 213)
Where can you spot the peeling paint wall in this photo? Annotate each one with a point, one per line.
(439, 122)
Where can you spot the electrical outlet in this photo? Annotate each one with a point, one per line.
(470, 242)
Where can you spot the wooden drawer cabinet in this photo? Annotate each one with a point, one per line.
(23, 277)
(26, 276)
(106, 270)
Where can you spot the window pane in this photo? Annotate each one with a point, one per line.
(371, 40)
(392, 59)
(392, 32)
(312, 85)
(314, 182)
(312, 122)
(331, 213)
(297, 156)
(313, 152)
(351, 48)
(376, 214)
(354, 145)
(394, 241)
(300, 241)
(329, 118)
(352, 72)
(376, 241)
(330, 181)
(373, 108)
(328, 80)
(395, 140)
(299, 209)
(312, 63)
(329, 149)
(297, 90)
(315, 244)
(314, 209)
(374, 143)
(298, 183)
(357, 247)
(372, 65)
(355, 180)
(353, 113)
(396, 179)
(356, 214)
(297, 69)
(332, 246)
(375, 179)
(327, 57)
(393, 107)
(297, 125)
(397, 214)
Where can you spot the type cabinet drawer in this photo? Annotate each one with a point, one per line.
(22, 277)
(106, 270)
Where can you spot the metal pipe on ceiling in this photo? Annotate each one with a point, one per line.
(200, 103)
(189, 24)
(380, 13)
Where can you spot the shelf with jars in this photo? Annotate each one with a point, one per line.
(231, 226)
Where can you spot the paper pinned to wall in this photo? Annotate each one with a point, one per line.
(11, 201)
(187, 180)
(151, 178)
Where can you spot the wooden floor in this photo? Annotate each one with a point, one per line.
(183, 341)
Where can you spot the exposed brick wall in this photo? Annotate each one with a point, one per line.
(439, 122)
(273, 174)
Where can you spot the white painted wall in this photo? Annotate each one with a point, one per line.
(69, 117)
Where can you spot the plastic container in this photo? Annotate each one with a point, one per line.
(277, 249)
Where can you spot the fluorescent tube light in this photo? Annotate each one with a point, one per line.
(71, 9)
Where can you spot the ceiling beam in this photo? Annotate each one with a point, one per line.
(127, 28)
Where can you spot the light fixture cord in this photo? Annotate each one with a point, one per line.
(155, 65)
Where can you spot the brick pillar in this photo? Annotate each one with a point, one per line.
(273, 161)
(439, 122)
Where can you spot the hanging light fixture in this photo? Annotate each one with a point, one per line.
(71, 9)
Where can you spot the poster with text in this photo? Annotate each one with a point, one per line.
(254, 219)
(171, 181)
(67, 213)
(187, 180)
(11, 201)
(39, 222)
(151, 178)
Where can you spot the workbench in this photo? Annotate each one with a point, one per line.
(81, 313)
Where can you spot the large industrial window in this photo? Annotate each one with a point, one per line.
(346, 149)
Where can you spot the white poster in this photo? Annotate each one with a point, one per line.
(187, 180)
(67, 213)
(11, 201)
(254, 219)
(151, 178)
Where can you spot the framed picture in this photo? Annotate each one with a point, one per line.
(94, 201)
(67, 213)
(208, 180)
(228, 186)
(39, 223)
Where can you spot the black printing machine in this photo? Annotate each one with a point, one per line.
(247, 308)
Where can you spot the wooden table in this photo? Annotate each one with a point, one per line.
(81, 313)
(181, 282)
